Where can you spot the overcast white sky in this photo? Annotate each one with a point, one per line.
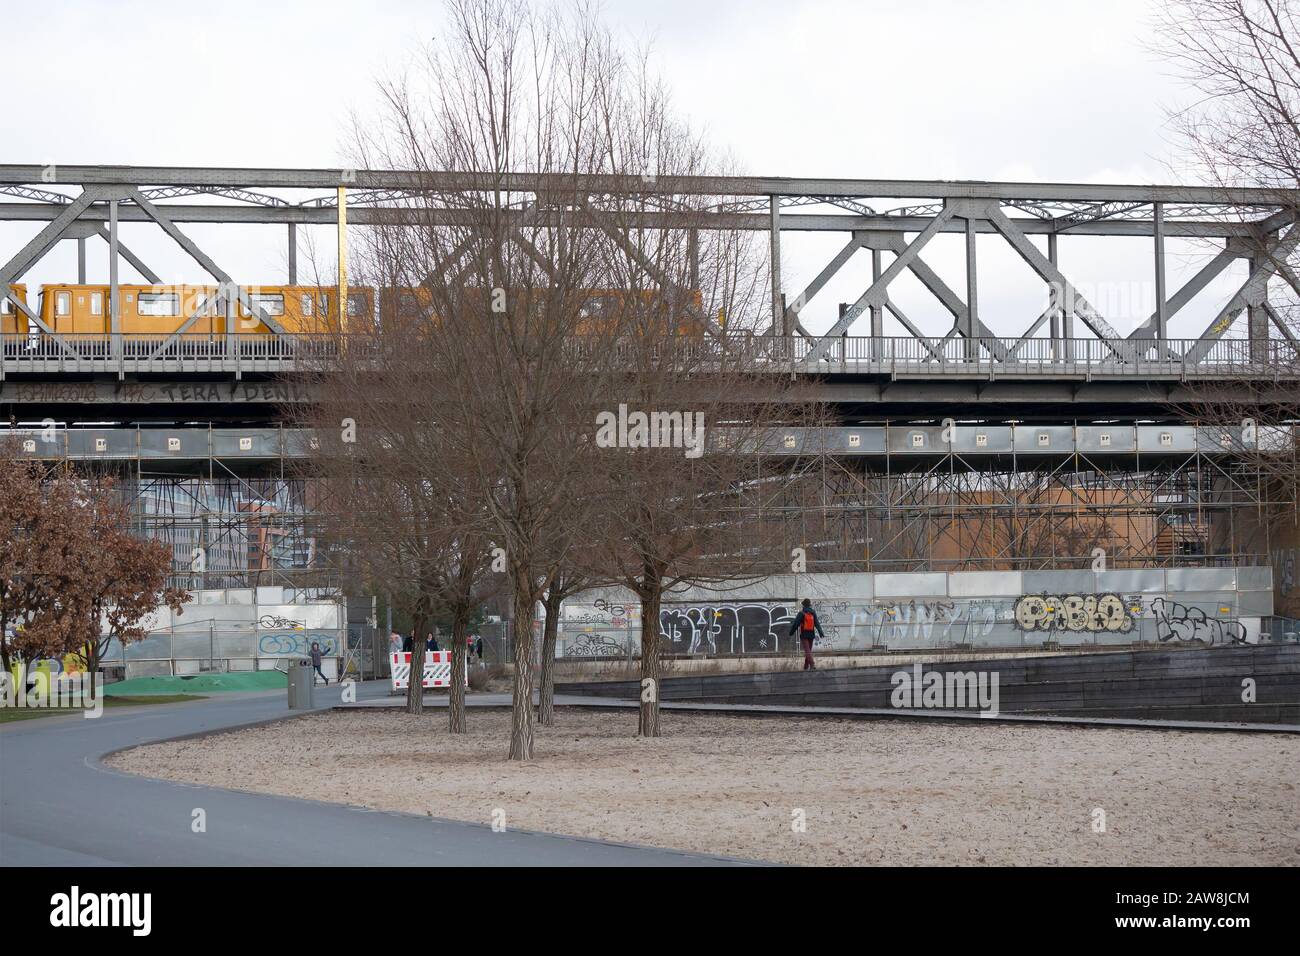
(1014, 90)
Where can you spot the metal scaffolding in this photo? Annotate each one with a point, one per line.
(1187, 511)
(236, 506)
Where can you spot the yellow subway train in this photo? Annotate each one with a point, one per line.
(79, 313)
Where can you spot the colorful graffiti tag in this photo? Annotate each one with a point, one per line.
(1175, 620)
(296, 644)
(726, 628)
(1088, 613)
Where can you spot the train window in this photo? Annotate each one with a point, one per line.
(306, 304)
(354, 306)
(270, 303)
(201, 301)
(62, 304)
(408, 305)
(158, 303)
(599, 306)
(96, 303)
(6, 307)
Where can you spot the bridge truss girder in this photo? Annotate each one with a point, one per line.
(1250, 221)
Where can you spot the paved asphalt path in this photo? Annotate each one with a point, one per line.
(60, 807)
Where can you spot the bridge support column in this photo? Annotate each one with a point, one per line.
(779, 321)
(972, 293)
(293, 254)
(693, 259)
(1063, 315)
(228, 301)
(114, 294)
(877, 312)
(81, 261)
(1257, 315)
(1054, 317)
(1162, 309)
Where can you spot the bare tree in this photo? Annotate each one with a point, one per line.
(1243, 130)
(1242, 57)
(508, 282)
(564, 582)
(397, 505)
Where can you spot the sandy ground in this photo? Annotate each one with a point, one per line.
(870, 792)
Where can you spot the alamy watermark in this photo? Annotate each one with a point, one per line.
(919, 689)
(76, 691)
(75, 908)
(626, 429)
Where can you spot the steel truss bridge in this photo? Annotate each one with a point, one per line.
(1068, 354)
(1000, 504)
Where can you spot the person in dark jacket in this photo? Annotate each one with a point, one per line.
(431, 643)
(406, 644)
(316, 661)
(806, 623)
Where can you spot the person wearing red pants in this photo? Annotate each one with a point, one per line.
(806, 623)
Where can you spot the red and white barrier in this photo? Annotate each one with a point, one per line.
(437, 670)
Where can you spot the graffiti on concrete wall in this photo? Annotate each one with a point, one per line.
(725, 628)
(762, 625)
(296, 644)
(923, 620)
(272, 621)
(1178, 621)
(594, 645)
(1086, 613)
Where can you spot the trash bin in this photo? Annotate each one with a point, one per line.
(301, 679)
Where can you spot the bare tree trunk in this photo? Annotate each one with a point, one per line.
(456, 699)
(415, 689)
(550, 634)
(521, 724)
(648, 725)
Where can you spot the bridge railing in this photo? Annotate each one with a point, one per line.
(893, 355)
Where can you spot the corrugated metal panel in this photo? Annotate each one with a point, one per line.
(978, 439)
(917, 439)
(151, 669)
(1219, 438)
(174, 443)
(101, 443)
(1044, 439)
(1105, 438)
(1201, 579)
(870, 440)
(1059, 582)
(1254, 603)
(838, 587)
(1146, 581)
(1213, 603)
(39, 443)
(1166, 438)
(986, 584)
(1255, 579)
(912, 584)
(245, 442)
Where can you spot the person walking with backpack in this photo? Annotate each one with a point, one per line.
(806, 623)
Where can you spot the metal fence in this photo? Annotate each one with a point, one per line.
(941, 356)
